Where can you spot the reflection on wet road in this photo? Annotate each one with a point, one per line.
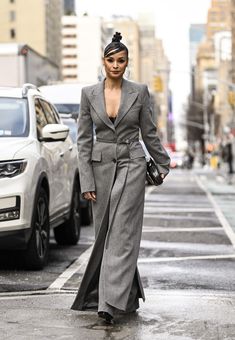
(186, 263)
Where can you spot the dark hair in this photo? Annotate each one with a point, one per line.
(115, 46)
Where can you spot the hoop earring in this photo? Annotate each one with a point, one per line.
(127, 73)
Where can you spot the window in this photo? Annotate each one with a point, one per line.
(40, 117)
(70, 66)
(70, 76)
(69, 36)
(69, 56)
(69, 46)
(69, 26)
(12, 15)
(14, 120)
(12, 33)
(49, 113)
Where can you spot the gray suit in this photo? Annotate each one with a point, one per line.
(115, 167)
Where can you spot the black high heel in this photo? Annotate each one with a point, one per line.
(108, 318)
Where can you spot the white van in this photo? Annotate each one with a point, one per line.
(66, 97)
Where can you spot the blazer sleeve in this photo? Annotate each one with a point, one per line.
(85, 143)
(149, 134)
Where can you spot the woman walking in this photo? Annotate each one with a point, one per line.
(112, 175)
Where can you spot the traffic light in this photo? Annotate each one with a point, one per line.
(157, 84)
(231, 98)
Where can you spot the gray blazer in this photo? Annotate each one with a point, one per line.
(114, 166)
(135, 104)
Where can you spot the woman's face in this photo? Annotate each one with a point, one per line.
(115, 65)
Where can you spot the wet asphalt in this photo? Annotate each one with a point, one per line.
(186, 262)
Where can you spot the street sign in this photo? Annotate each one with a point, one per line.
(157, 84)
(231, 98)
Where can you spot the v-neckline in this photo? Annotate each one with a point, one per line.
(120, 102)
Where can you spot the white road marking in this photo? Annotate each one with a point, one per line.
(71, 270)
(148, 190)
(34, 294)
(80, 262)
(186, 258)
(174, 209)
(151, 229)
(224, 222)
(180, 217)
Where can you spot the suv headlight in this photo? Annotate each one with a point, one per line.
(12, 168)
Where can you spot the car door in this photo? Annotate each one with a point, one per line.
(51, 153)
(70, 161)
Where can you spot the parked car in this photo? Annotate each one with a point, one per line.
(177, 160)
(66, 97)
(39, 177)
(85, 206)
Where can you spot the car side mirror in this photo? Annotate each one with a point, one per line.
(54, 132)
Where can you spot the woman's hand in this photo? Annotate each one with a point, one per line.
(90, 196)
(162, 176)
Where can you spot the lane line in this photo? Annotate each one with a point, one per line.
(71, 270)
(181, 210)
(147, 229)
(79, 263)
(181, 217)
(224, 222)
(178, 205)
(149, 190)
(185, 258)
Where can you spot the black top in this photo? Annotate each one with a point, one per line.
(112, 119)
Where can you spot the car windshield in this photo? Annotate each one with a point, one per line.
(67, 108)
(14, 121)
(71, 123)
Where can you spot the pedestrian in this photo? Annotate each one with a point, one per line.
(227, 155)
(112, 170)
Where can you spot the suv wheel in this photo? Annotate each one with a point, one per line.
(68, 233)
(86, 215)
(36, 254)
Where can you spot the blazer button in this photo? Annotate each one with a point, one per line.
(114, 160)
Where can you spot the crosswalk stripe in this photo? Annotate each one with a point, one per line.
(186, 258)
(224, 222)
(147, 229)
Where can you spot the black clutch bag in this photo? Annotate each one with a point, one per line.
(153, 175)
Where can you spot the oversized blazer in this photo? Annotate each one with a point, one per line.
(113, 164)
(134, 115)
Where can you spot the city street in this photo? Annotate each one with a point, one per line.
(186, 262)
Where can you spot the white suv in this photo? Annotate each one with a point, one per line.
(39, 178)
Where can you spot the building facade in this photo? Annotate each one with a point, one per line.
(69, 7)
(36, 23)
(69, 63)
(82, 47)
(218, 18)
(130, 34)
(232, 11)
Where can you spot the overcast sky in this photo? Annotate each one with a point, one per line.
(172, 18)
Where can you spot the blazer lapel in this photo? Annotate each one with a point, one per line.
(98, 104)
(128, 97)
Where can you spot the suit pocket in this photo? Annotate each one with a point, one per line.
(96, 156)
(136, 153)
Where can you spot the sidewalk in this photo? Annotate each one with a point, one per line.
(168, 315)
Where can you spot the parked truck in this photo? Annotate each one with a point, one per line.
(20, 64)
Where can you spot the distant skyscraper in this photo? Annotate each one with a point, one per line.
(218, 18)
(233, 38)
(69, 7)
(196, 34)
